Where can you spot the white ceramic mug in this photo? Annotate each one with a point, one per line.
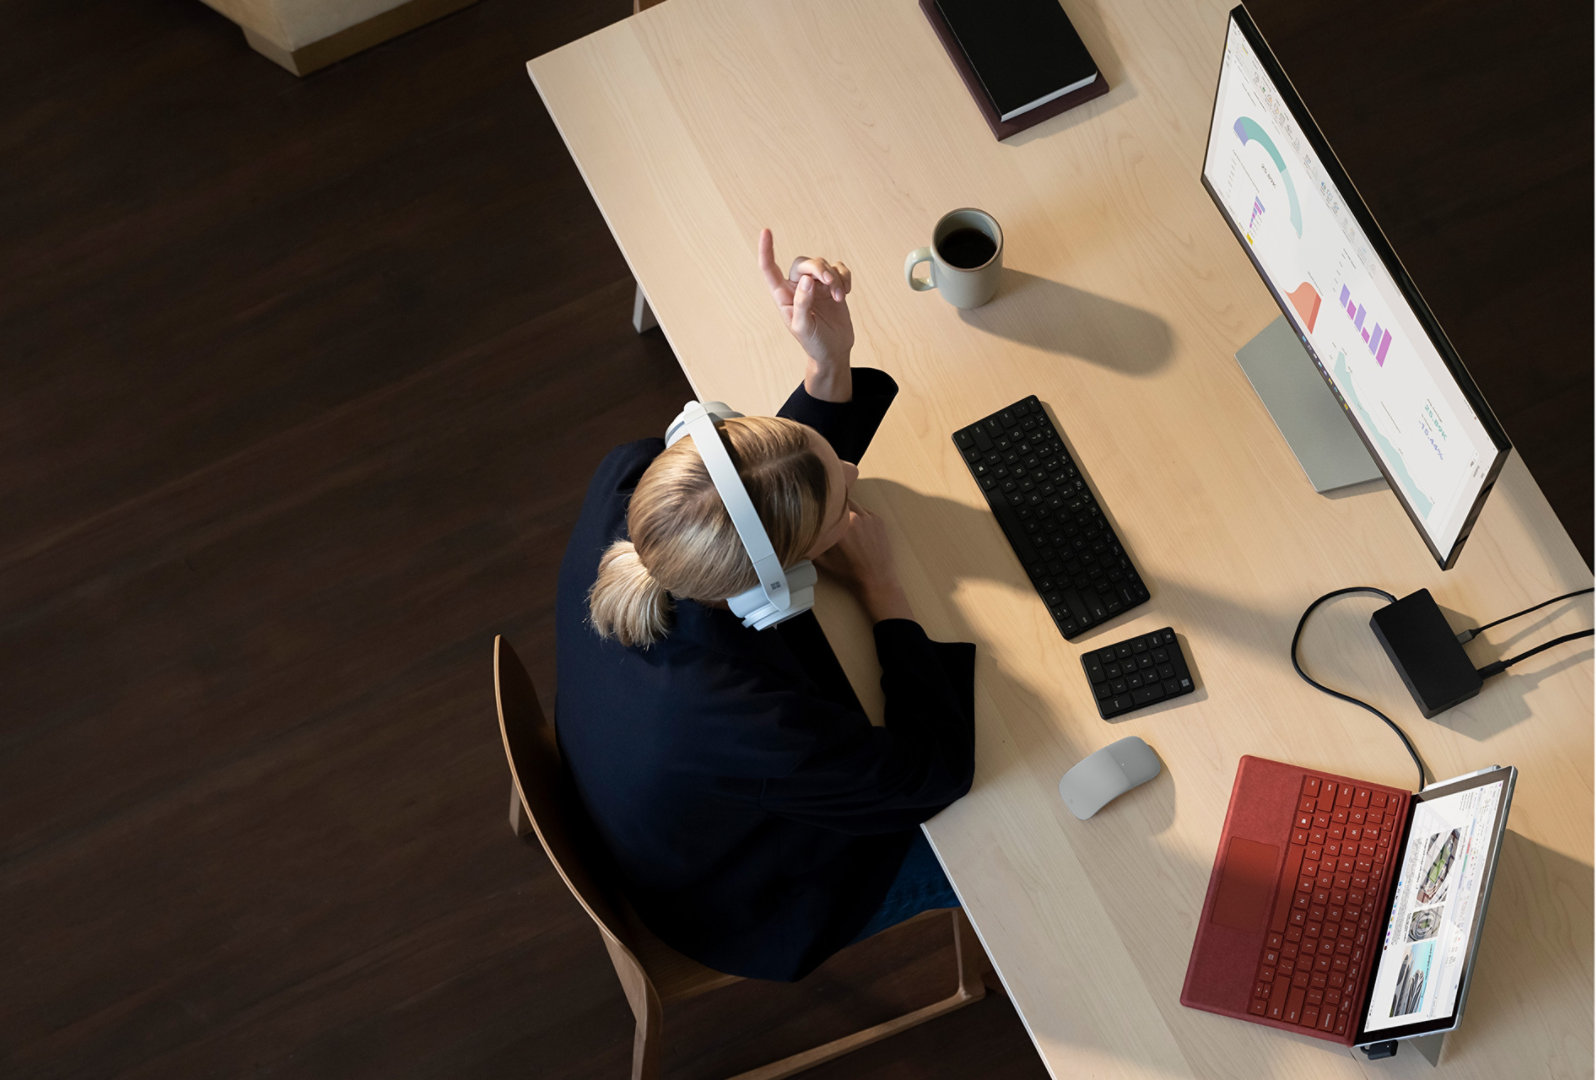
(963, 280)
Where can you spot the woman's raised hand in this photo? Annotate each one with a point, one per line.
(813, 301)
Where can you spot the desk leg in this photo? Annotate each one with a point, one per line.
(518, 819)
(971, 958)
(642, 317)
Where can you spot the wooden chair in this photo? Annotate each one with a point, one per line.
(651, 972)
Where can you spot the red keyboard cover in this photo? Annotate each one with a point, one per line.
(1298, 894)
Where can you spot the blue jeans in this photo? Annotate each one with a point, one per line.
(920, 886)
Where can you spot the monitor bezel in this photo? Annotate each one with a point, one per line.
(1506, 774)
(1388, 257)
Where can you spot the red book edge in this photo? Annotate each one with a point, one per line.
(1002, 129)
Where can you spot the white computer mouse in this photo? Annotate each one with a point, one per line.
(1097, 780)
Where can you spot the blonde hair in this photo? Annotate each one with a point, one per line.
(682, 541)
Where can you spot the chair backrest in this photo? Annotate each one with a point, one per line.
(550, 803)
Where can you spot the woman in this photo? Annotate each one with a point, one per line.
(757, 821)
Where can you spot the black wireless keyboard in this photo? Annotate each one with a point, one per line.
(1040, 498)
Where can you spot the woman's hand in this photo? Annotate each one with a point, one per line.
(863, 560)
(813, 301)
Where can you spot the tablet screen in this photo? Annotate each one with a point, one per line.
(1437, 905)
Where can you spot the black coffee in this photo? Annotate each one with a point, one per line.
(966, 248)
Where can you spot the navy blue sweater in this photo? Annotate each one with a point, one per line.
(754, 814)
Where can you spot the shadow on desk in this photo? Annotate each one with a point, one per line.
(1059, 318)
(1539, 922)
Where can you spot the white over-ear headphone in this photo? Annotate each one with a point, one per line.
(782, 592)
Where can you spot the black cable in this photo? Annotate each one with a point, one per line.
(1469, 635)
(1501, 665)
(1295, 638)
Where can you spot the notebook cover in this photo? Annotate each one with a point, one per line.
(1002, 129)
(1225, 955)
(1022, 50)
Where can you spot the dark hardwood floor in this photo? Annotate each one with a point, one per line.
(303, 380)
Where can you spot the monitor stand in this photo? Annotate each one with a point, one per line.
(1305, 409)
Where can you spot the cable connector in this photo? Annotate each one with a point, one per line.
(1502, 665)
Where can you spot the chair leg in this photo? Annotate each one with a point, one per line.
(971, 988)
(518, 820)
(646, 1009)
(645, 1049)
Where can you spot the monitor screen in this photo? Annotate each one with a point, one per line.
(1341, 287)
(1443, 878)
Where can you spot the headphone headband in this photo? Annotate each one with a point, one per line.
(698, 420)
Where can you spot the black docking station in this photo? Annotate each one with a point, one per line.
(1426, 652)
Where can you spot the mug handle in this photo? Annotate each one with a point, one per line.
(916, 257)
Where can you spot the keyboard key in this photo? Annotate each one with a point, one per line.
(1277, 998)
(1294, 1006)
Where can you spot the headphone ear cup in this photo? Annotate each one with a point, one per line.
(756, 610)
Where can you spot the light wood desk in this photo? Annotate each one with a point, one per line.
(843, 127)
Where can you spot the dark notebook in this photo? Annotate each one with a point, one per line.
(1021, 60)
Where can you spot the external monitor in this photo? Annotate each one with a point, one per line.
(1345, 297)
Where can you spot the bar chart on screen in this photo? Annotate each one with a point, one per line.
(1376, 337)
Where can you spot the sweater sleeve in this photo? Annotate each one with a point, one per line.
(847, 425)
(859, 779)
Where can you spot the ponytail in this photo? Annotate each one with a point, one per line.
(625, 602)
(686, 544)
